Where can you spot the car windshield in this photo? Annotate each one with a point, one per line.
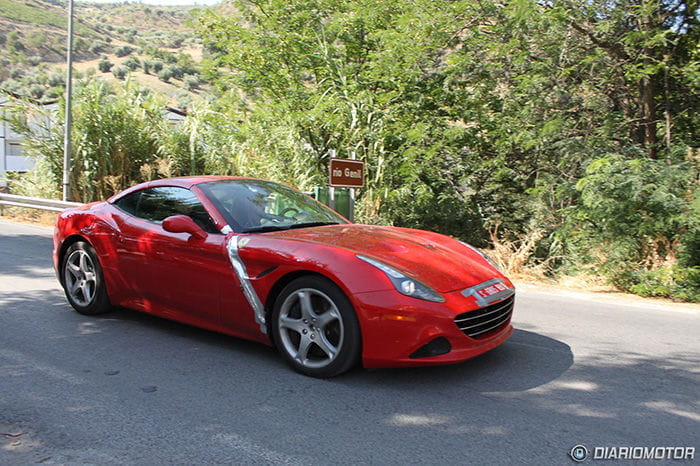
(255, 205)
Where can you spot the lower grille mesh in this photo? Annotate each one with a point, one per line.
(479, 323)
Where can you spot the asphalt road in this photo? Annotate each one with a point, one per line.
(127, 388)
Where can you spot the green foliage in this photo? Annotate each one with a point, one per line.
(191, 82)
(105, 65)
(36, 39)
(165, 74)
(132, 63)
(114, 146)
(56, 79)
(120, 72)
(174, 71)
(476, 113)
(97, 46)
(25, 12)
(123, 50)
(13, 42)
(680, 283)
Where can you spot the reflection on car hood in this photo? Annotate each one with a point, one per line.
(439, 261)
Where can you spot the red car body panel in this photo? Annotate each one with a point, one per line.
(180, 277)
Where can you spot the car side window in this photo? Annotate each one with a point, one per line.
(129, 203)
(156, 204)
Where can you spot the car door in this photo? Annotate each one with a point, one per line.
(172, 274)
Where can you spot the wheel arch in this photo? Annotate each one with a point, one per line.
(68, 242)
(282, 282)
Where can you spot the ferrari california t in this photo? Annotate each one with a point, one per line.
(261, 261)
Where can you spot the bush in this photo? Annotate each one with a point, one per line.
(120, 72)
(157, 66)
(176, 71)
(16, 73)
(165, 75)
(36, 91)
(132, 63)
(97, 46)
(679, 283)
(55, 79)
(53, 93)
(191, 82)
(123, 51)
(636, 220)
(34, 60)
(80, 44)
(105, 65)
(13, 42)
(36, 39)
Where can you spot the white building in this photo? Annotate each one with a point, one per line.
(11, 158)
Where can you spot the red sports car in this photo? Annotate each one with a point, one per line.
(262, 261)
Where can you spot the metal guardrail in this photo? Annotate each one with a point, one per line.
(12, 200)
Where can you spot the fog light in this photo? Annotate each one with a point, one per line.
(434, 347)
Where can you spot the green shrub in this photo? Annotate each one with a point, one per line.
(679, 283)
(34, 60)
(123, 50)
(105, 65)
(165, 75)
(175, 71)
(97, 46)
(132, 63)
(36, 39)
(56, 79)
(191, 82)
(13, 42)
(37, 91)
(120, 71)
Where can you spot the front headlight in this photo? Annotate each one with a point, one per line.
(484, 255)
(404, 284)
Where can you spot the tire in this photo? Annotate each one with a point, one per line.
(315, 328)
(83, 280)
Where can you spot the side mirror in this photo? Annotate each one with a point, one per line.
(183, 224)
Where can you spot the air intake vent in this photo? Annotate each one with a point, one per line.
(481, 322)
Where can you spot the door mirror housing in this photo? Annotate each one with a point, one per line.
(183, 224)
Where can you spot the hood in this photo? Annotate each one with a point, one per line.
(436, 260)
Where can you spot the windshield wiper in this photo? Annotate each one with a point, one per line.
(266, 228)
(311, 224)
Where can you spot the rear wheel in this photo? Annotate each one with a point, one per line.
(83, 280)
(315, 327)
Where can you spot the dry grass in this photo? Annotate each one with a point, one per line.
(513, 256)
(36, 217)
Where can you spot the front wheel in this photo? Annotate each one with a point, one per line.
(83, 280)
(315, 327)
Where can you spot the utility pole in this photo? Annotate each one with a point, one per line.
(69, 98)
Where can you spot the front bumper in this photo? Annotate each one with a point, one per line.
(394, 327)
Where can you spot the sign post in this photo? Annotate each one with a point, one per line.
(346, 173)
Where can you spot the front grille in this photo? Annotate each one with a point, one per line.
(479, 323)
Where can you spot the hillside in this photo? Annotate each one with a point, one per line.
(153, 44)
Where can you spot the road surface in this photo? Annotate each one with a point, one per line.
(130, 388)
